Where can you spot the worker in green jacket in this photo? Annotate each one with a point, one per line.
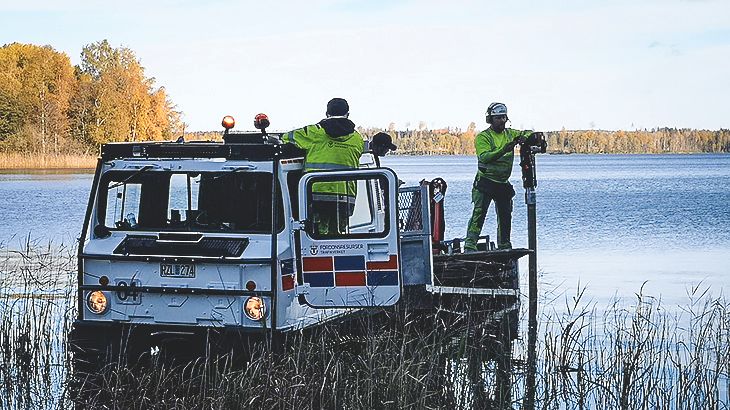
(495, 154)
(331, 144)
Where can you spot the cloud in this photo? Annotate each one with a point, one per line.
(670, 49)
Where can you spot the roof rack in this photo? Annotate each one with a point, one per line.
(250, 146)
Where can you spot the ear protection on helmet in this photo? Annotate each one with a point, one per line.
(496, 108)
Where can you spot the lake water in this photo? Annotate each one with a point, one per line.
(607, 222)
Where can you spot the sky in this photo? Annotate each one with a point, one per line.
(556, 64)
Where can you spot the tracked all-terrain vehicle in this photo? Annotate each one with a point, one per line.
(215, 241)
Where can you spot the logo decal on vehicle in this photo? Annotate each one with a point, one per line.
(313, 249)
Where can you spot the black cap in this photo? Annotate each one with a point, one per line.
(384, 139)
(338, 107)
(382, 143)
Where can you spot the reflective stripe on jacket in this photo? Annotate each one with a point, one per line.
(326, 153)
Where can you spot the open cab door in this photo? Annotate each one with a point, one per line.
(348, 245)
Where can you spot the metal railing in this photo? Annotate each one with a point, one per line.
(412, 206)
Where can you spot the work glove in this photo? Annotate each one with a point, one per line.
(517, 140)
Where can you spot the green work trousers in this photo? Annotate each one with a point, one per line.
(330, 218)
(482, 194)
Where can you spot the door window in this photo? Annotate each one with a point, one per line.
(347, 206)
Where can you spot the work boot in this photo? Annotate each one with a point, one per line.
(506, 245)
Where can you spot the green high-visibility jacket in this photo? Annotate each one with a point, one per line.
(325, 152)
(494, 162)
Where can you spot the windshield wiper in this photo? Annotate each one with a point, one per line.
(233, 170)
(141, 170)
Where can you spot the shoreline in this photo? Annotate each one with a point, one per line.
(45, 171)
(17, 162)
(11, 163)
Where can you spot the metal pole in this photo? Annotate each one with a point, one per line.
(530, 200)
(274, 244)
(528, 149)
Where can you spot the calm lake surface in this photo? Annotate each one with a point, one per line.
(606, 222)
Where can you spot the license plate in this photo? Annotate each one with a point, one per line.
(177, 270)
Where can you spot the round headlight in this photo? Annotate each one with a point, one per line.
(255, 308)
(96, 302)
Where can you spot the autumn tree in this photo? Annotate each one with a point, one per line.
(116, 102)
(11, 116)
(37, 84)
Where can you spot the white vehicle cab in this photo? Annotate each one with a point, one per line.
(215, 239)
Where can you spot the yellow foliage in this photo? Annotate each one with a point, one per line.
(50, 107)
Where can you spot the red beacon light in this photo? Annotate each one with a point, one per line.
(261, 121)
(228, 122)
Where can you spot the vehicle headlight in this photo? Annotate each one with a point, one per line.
(255, 308)
(96, 302)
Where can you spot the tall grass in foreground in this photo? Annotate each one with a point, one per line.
(36, 310)
(635, 356)
(10, 160)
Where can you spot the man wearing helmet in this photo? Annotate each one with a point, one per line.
(495, 154)
(331, 144)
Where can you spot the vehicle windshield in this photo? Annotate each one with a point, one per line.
(228, 201)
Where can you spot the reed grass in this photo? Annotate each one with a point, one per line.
(11, 161)
(640, 356)
(637, 355)
(36, 310)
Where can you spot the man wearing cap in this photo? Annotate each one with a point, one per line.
(495, 154)
(380, 145)
(331, 144)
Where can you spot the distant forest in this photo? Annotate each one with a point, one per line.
(453, 141)
(49, 107)
(423, 141)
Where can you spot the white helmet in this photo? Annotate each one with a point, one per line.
(496, 108)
